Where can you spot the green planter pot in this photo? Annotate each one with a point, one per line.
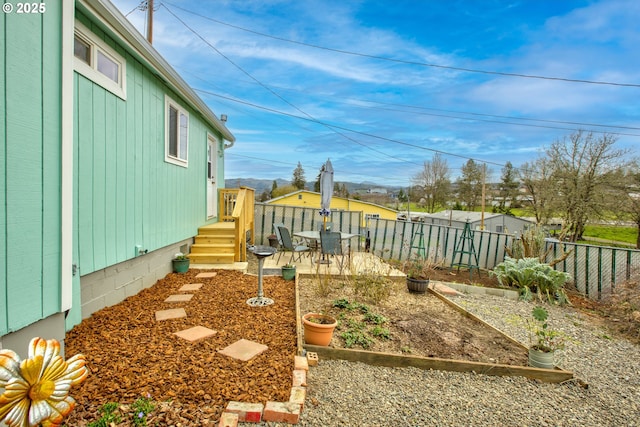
(288, 273)
(180, 265)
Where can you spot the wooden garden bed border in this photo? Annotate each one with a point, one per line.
(556, 375)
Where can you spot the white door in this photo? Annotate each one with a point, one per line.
(212, 170)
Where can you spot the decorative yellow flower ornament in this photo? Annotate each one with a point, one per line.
(36, 390)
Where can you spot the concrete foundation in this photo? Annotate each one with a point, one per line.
(113, 284)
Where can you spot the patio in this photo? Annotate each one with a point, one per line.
(359, 263)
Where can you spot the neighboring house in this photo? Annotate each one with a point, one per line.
(499, 223)
(110, 163)
(310, 199)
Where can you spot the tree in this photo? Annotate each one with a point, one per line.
(470, 184)
(298, 180)
(281, 191)
(274, 185)
(508, 191)
(265, 195)
(633, 196)
(628, 196)
(536, 179)
(582, 166)
(402, 198)
(434, 182)
(340, 190)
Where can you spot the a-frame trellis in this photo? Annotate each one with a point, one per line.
(465, 246)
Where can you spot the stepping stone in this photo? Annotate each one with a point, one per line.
(179, 298)
(191, 287)
(243, 350)
(206, 275)
(174, 313)
(196, 333)
(446, 290)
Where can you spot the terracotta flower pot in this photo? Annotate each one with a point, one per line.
(318, 328)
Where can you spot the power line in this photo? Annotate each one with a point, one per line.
(502, 117)
(358, 103)
(272, 110)
(407, 62)
(335, 128)
(272, 91)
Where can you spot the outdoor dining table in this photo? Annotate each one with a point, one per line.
(314, 236)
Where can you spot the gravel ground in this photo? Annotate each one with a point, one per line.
(353, 394)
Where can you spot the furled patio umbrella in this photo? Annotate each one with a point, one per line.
(326, 191)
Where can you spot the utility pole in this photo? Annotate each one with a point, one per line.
(150, 21)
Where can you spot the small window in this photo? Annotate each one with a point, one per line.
(82, 50)
(108, 67)
(99, 62)
(177, 133)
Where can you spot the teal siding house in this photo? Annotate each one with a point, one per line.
(110, 164)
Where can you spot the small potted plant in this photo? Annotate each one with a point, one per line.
(180, 263)
(418, 270)
(318, 328)
(288, 271)
(544, 341)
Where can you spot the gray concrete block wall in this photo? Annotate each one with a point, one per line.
(51, 327)
(113, 284)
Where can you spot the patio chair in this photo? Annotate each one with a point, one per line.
(289, 245)
(276, 231)
(331, 244)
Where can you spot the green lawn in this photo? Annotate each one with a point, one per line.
(610, 232)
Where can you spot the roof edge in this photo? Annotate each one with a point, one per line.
(120, 25)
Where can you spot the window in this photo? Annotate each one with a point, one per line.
(82, 50)
(108, 67)
(99, 62)
(176, 133)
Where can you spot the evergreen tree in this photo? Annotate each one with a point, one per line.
(470, 184)
(298, 180)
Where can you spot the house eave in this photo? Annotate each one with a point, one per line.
(116, 23)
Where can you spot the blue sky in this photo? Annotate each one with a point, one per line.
(379, 86)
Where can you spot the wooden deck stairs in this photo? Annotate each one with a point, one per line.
(214, 244)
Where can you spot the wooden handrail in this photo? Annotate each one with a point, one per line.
(237, 205)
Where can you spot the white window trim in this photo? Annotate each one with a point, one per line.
(167, 157)
(91, 72)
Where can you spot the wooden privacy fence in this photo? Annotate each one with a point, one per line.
(595, 270)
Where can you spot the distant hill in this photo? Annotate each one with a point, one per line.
(261, 185)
